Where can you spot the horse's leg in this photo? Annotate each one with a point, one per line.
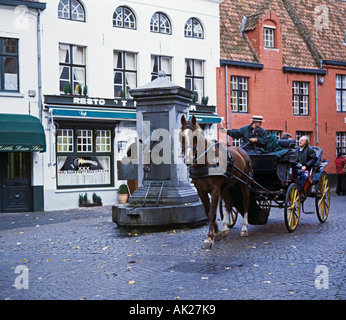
(203, 195)
(213, 227)
(226, 214)
(246, 203)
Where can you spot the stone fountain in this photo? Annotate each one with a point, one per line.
(165, 197)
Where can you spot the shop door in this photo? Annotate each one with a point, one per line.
(15, 182)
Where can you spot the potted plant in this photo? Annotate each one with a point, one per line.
(123, 193)
(68, 88)
(84, 201)
(205, 100)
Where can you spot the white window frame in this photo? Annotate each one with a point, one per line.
(269, 37)
(300, 98)
(340, 85)
(239, 94)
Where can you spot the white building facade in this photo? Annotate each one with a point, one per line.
(22, 138)
(92, 55)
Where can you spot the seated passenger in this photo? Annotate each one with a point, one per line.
(306, 159)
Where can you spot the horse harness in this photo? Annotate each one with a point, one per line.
(196, 172)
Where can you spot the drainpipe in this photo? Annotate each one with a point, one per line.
(227, 102)
(39, 63)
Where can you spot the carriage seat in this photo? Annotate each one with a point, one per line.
(287, 143)
(319, 153)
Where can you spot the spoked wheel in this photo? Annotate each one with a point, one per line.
(322, 200)
(292, 207)
(233, 215)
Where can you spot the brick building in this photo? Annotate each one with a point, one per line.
(285, 60)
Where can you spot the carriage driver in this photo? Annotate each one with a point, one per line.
(252, 135)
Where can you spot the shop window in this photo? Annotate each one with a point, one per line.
(193, 29)
(239, 94)
(84, 141)
(86, 160)
(194, 77)
(341, 93)
(103, 141)
(160, 23)
(9, 75)
(71, 10)
(65, 140)
(124, 17)
(300, 99)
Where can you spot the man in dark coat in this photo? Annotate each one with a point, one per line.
(306, 159)
(252, 135)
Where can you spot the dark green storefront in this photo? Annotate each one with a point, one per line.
(20, 136)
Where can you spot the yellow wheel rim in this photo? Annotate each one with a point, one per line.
(292, 210)
(323, 198)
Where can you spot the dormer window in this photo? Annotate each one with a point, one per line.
(269, 37)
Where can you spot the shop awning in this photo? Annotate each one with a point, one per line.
(120, 114)
(93, 114)
(21, 133)
(206, 117)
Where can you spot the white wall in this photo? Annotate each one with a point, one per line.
(21, 26)
(21, 23)
(101, 39)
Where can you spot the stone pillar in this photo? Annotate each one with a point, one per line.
(164, 196)
(160, 105)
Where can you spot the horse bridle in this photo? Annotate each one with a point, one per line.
(194, 149)
(188, 125)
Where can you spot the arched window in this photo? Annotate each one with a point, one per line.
(71, 10)
(160, 23)
(193, 29)
(124, 17)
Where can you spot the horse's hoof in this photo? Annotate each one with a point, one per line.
(226, 233)
(243, 233)
(218, 236)
(222, 235)
(207, 244)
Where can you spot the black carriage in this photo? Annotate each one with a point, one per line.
(274, 186)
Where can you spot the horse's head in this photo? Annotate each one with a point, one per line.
(190, 132)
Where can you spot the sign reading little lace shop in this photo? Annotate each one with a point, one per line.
(19, 148)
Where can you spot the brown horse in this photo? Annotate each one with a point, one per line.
(208, 163)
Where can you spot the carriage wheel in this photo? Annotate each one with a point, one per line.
(292, 207)
(233, 215)
(322, 200)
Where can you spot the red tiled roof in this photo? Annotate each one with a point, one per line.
(325, 21)
(296, 53)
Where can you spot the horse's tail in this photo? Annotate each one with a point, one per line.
(245, 155)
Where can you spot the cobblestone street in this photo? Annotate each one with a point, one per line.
(81, 254)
